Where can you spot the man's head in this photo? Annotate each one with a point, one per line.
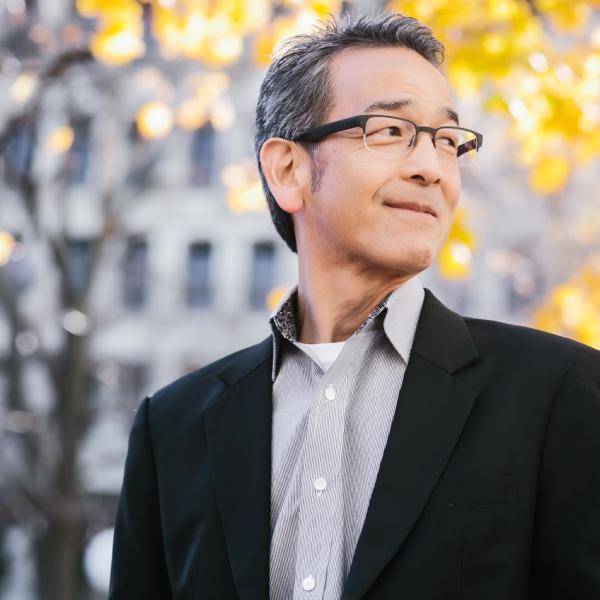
(338, 191)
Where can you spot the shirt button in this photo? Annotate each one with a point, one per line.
(320, 484)
(329, 392)
(308, 583)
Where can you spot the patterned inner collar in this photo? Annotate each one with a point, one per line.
(283, 319)
(398, 315)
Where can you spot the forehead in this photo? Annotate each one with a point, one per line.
(361, 76)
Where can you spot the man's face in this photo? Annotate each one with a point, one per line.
(349, 212)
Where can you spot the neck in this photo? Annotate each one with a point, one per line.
(335, 298)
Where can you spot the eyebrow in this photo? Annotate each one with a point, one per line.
(449, 112)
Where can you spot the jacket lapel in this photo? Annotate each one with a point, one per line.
(239, 446)
(432, 408)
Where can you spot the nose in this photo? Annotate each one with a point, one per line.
(423, 160)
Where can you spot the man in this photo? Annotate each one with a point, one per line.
(378, 445)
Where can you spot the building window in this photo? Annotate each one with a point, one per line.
(17, 152)
(262, 273)
(18, 271)
(144, 162)
(79, 153)
(135, 272)
(79, 262)
(199, 289)
(203, 155)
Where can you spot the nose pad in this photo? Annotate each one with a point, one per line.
(413, 142)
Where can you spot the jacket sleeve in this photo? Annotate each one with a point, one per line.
(138, 570)
(566, 560)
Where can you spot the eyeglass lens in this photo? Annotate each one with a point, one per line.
(395, 136)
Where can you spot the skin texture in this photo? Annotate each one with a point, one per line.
(353, 249)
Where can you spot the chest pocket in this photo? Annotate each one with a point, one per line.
(485, 490)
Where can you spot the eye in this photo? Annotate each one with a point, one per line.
(449, 141)
(393, 131)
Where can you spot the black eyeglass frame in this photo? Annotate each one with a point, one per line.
(316, 134)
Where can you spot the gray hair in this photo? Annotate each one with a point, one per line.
(295, 94)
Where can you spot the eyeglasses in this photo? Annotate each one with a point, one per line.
(385, 134)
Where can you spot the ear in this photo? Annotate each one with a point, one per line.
(286, 167)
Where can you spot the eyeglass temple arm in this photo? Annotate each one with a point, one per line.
(315, 134)
(474, 144)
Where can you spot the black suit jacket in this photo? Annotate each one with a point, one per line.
(488, 489)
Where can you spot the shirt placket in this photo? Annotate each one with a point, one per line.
(321, 501)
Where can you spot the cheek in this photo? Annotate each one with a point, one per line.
(348, 182)
(354, 176)
(451, 188)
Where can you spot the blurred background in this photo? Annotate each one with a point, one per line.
(135, 243)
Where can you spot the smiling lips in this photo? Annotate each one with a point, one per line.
(413, 206)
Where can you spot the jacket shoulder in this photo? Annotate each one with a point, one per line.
(522, 342)
(199, 388)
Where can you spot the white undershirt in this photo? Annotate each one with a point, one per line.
(323, 354)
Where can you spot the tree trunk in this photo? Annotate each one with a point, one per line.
(61, 546)
(58, 554)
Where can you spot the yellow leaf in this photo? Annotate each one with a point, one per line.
(324, 7)
(454, 261)
(464, 78)
(570, 15)
(550, 175)
(117, 44)
(496, 103)
(154, 120)
(588, 147)
(276, 295)
(111, 9)
(7, 244)
(573, 308)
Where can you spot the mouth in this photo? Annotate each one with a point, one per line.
(413, 207)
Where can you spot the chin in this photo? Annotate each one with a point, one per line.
(417, 251)
(401, 259)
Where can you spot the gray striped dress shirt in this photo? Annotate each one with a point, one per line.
(329, 432)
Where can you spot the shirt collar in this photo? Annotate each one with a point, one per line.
(402, 309)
